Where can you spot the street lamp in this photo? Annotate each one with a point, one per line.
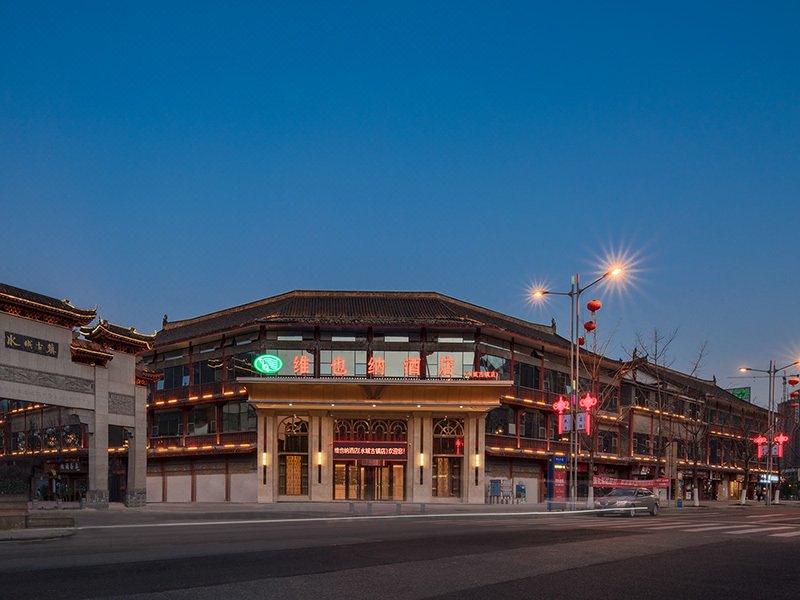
(772, 371)
(574, 295)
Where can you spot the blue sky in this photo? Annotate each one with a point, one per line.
(182, 158)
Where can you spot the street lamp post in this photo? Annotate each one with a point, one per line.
(771, 430)
(574, 295)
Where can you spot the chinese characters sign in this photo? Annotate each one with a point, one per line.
(31, 344)
(613, 482)
(369, 450)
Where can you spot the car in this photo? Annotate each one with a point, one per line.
(628, 501)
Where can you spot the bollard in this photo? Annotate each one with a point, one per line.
(398, 508)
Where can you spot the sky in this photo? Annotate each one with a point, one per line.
(180, 158)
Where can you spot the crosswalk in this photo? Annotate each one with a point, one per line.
(767, 525)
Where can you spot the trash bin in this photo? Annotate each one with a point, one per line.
(680, 503)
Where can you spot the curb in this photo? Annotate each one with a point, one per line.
(35, 534)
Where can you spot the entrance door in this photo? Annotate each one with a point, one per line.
(369, 482)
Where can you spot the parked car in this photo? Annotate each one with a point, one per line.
(628, 501)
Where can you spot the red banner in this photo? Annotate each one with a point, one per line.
(559, 485)
(613, 482)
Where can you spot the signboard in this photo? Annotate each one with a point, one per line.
(72, 466)
(31, 344)
(743, 393)
(396, 451)
(268, 364)
(599, 481)
(559, 485)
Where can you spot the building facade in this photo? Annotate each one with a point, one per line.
(72, 408)
(415, 397)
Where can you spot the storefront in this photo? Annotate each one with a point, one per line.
(329, 439)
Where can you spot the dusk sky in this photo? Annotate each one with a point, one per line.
(185, 158)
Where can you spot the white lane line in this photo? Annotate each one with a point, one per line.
(757, 530)
(785, 534)
(673, 526)
(714, 527)
(550, 514)
(773, 516)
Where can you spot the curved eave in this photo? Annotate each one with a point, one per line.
(72, 317)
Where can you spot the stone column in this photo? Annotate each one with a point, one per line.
(97, 494)
(474, 444)
(422, 444)
(320, 439)
(136, 494)
(266, 456)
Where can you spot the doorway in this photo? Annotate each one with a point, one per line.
(362, 480)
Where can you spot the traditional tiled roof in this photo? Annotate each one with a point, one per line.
(688, 382)
(38, 307)
(353, 308)
(91, 353)
(124, 339)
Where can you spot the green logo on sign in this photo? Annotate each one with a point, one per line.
(269, 364)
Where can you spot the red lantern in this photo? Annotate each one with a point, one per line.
(795, 394)
(589, 326)
(793, 380)
(594, 305)
(582, 341)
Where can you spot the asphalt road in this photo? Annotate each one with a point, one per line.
(701, 554)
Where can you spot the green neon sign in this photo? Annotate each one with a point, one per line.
(268, 364)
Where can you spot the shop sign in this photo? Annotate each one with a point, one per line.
(370, 450)
(599, 481)
(268, 364)
(31, 344)
(481, 374)
(73, 466)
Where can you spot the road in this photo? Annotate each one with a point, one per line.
(690, 554)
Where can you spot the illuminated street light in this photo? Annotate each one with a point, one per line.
(770, 433)
(574, 364)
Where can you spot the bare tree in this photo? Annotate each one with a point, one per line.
(746, 449)
(695, 426)
(605, 377)
(665, 392)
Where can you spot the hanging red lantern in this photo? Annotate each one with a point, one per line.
(590, 326)
(795, 394)
(793, 380)
(582, 341)
(594, 305)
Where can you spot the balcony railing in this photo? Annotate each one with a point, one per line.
(205, 391)
(537, 445)
(226, 439)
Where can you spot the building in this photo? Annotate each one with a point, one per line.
(72, 408)
(414, 397)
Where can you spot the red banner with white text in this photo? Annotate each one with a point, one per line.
(613, 482)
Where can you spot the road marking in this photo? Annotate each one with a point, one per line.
(713, 527)
(773, 516)
(785, 534)
(758, 530)
(550, 514)
(673, 526)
